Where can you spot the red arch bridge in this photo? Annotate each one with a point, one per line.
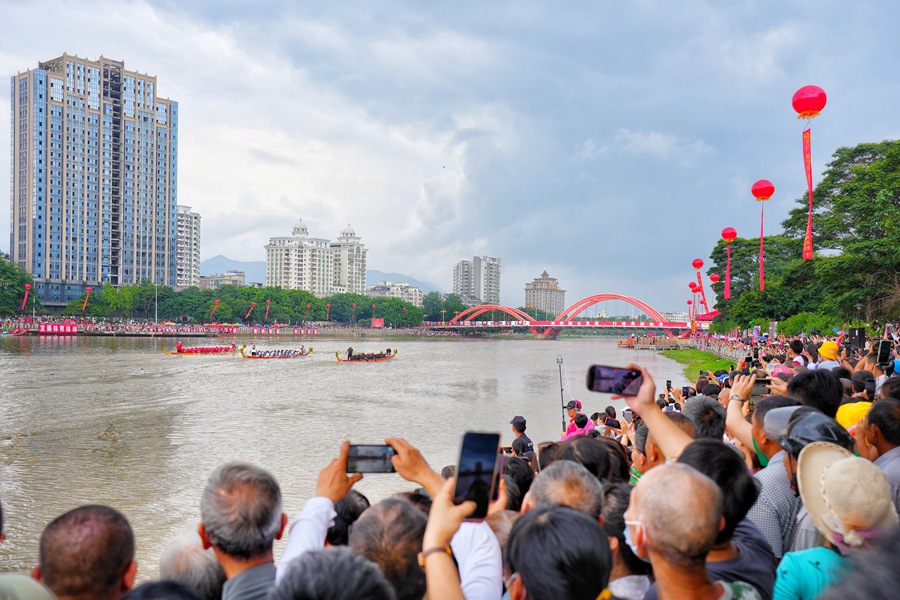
(468, 319)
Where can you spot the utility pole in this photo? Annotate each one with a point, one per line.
(559, 362)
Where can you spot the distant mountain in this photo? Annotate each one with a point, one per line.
(254, 271)
(373, 277)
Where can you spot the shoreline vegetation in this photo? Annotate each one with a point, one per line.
(695, 361)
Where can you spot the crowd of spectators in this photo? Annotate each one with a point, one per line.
(777, 480)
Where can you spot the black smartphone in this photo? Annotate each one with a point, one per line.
(685, 390)
(614, 380)
(884, 352)
(870, 388)
(759, 388)
(756, 353)
(730, 369)
(476, 471)
(668, 384)
(370, 458)
(704, 373)
(610, 422)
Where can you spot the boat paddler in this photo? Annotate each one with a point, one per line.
(350, 353)
(179, 348)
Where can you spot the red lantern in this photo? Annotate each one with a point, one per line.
(728, 234)
(307, 311)
(809, 101)
(25, 299)
(763, 189)
(88, 295)
(252, 306)
(215, 306)
(690, 302)
(697, 264)
(714, 278)
(327, 311)
(268, 303)
(692, 285)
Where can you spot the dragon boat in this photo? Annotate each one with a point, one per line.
(203, 350)
(266, 356)
(363, 358)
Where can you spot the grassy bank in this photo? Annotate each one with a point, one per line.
(695, 361)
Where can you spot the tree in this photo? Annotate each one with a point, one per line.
(12, 289)
(431, 306)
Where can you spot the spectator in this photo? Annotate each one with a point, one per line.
(184, 559)
(87, 552)
(518, 428)
(17, 586)
(827, 357)
(240, 519)
(629, 577)
(390, 535)
(332, 574)
(591, 453)
(521, 473)
(874, 575)
(808, 425)
(708, 417)
(580, 422)
(566, 483)
(820, 389)
(849, 500)
(639, 462)
(677, 536)
(162, 590)
(348, 510)
(501, 523)
(880, 433)
(655, 452)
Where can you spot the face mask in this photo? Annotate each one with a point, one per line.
(632, 546)
(763, 459)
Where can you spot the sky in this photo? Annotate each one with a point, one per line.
(606, 142)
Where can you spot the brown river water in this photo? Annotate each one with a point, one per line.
(114, 421)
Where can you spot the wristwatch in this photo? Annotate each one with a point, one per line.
(737, 397)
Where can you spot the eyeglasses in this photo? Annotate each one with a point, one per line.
(507, 582)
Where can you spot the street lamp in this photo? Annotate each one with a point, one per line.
(859, 308)
(443, 315)
(562, 400)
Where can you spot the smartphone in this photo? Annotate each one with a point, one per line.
(627, 415)
(370, 458)
(730, 369)
(684, 391)
(614, 380)
(759, 388)
(476, 471)
(610, 422)
(668, 384)
(884, 352)
(870, 388)
(756, 353)
(704, 373)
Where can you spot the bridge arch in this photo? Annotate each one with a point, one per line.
(475, 311)
(584, 303)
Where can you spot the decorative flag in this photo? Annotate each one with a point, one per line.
(807, 165)
(808, 101)
(252, 306)
(728, 234)
(268, 303)
(88, 295)
(215, 306)
(25, 299)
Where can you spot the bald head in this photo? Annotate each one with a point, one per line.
(567, 483)
(88, 552)
(680, 533)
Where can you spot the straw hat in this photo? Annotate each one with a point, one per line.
(848, 497)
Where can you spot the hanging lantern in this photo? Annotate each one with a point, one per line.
(808, 101)
(698, 264)
(728, 234)
(714, 278)
(762, 190)
(308, 306)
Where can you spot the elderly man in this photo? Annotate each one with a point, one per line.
(241, 517)
(86, 553)
(677, 536)
(566, 483)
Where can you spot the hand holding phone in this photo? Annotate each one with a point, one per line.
(476, 471)
(614, 380)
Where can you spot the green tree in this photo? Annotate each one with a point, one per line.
(431, 306)
(12, 289)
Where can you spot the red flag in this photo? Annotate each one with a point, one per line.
(762, 260)
(807, 164)
(728, 273)
(25, 299)
(88, 295)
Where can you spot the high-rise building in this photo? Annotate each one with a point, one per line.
(478, 279)
(349, 262)
(212, 282)
(187, 266)
(300, 262)
(401, 290)
(545, 294)
(94, 173)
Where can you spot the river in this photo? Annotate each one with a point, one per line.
(115, 421)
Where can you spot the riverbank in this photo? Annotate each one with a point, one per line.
(695, 361)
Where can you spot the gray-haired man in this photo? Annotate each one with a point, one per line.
(240, 519)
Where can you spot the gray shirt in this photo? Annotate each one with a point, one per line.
(775, 510)
(889, 462)
(252, 584)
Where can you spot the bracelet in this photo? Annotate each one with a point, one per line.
(737, 397)
(425, 554)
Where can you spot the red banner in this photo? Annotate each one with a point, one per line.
(807, 164)
(728, 273)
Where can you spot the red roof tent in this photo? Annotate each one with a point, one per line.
(708, 316)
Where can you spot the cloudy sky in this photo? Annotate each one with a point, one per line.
(607, 142)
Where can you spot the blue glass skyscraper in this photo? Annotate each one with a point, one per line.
(94, 174)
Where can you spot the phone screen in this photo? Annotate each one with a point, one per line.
(756, 353)
(884, 352)
(759, 388)
(668, 384)
(475, 471)
(614, 380)
(370, 459)
(684, 391)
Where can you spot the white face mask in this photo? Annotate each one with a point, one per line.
(632, 546)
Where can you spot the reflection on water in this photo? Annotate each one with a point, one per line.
(115, 421)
